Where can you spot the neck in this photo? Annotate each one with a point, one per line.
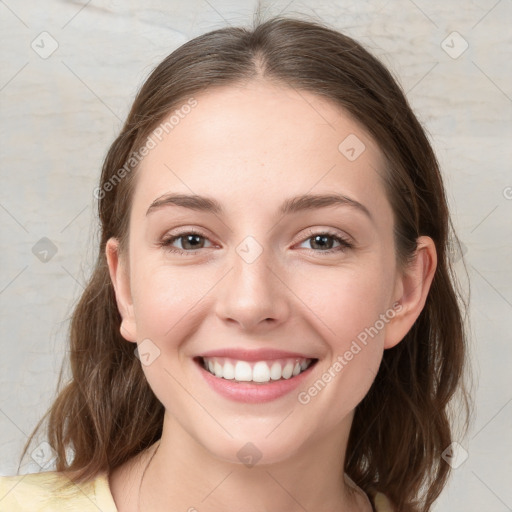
(181, 475)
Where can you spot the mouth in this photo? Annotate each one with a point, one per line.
(262, 372)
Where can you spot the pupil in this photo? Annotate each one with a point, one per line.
(323, 237)
(190, 238)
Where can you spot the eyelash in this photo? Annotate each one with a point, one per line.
(344, 243)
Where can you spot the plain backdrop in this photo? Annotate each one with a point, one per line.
(69, 73)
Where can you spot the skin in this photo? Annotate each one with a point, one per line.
(250, 147)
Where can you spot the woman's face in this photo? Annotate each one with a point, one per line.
(262, 272)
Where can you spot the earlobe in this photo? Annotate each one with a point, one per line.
(119, 276)
(413, 286)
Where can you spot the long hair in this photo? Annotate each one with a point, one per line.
(107, 413)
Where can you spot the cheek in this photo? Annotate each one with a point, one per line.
(349, 310)
(166, 302)
(346, 300)
(163, 296)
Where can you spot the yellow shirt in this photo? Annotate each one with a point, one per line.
(38, 492)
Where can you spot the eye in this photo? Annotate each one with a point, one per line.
(190, 242)
(321, 239)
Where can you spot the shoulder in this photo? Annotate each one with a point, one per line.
(382, 503)
(376, 500)
(53, 491)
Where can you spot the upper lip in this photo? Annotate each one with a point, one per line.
(262, 354)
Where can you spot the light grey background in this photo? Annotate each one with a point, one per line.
(61, 113)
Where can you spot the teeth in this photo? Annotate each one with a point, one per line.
(275, 371)
(261, 372)
(258, 371)
(217, 368)
(287, 371)
(228, 372)
(242, 371)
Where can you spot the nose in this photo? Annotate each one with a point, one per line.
(253, 295)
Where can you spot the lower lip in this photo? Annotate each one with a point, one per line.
(249, 392)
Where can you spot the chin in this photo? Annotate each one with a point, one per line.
(253, 450)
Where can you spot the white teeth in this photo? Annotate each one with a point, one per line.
(258, 371)
(261, 372)
(275, 371)
(228, 372)
(287, 371)
(243, 371)
(217, 368)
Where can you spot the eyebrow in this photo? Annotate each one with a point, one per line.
(291, 205)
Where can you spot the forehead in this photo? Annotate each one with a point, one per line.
(260, 143)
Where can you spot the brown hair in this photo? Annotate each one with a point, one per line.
(107, 413)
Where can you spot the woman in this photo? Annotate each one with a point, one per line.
(274, 244)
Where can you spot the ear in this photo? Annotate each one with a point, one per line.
(120, 276)
(411, 290)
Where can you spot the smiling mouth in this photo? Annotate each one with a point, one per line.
(256, 372)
